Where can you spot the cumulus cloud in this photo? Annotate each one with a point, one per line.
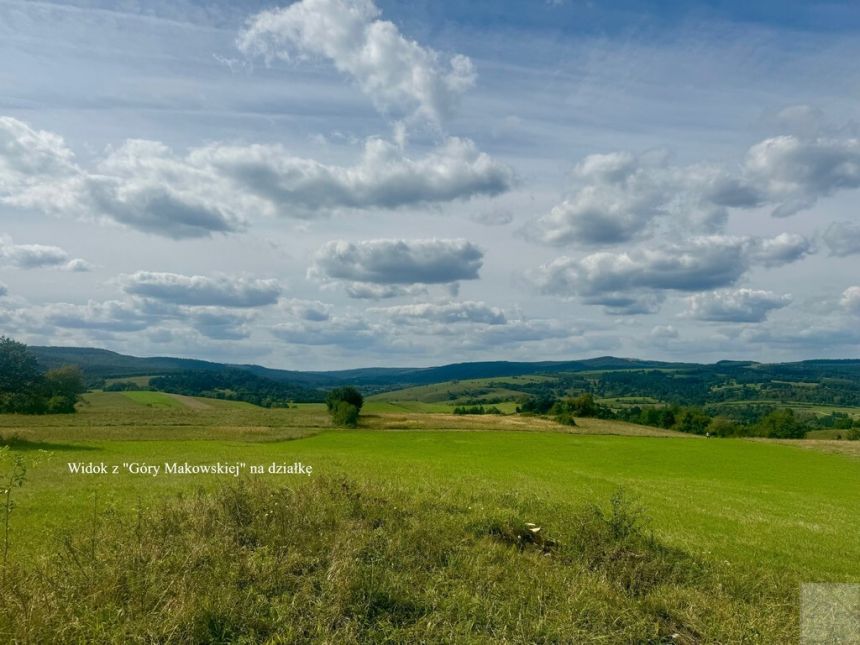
(218, 188)
(795, 172)
(445, 313)
(311, 310)
(622, 196)
(777, 251)
(195, 290)
(398, 74)
(635, 281)
(842, 238)
(4, 290)
(396, 264)
(851, 299)
(38, 256)
(735, 305)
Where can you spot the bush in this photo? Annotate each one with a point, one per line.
(348, 394)
(344, 414)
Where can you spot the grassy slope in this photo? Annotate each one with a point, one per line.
(742, 501)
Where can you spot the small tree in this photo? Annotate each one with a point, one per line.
(63, 386)
(345, 414)
(344, 405)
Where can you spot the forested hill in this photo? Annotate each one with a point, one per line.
(102, 363)
(813, 381)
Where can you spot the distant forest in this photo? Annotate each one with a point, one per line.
(233, 385)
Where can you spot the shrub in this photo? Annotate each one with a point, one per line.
(348, 394)
(344, 414)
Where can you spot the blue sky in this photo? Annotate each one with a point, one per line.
(333, 184)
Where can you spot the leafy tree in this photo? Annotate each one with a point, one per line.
(344, 414)
(344, 405)
(19, 369)
(63, 386)
(724, 427)
(781, 424)
(24, 390)
(692, 420)
(346, 393)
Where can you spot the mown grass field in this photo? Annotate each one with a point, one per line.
(734, 525)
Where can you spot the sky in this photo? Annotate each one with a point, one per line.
(330, 184)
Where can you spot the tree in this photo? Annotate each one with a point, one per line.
(20, 380)
(344, 405)
(348, 394)
(781, 424)
(344, 414)
(25, 390)
(63, 385)
(19, 369)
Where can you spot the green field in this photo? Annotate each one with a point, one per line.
(741, 510)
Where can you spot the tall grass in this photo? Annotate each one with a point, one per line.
(336, 561)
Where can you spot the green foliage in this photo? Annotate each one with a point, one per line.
(13, 473)
(721, 426)
(234, 385)
(476, 409)
(24, 390)
(780, 424)
(693, 421)
(344, 414)
(348, 394)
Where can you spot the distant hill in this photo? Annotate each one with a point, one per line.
(102, 363)
(836, 382)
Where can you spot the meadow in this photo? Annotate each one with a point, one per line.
(416, 526)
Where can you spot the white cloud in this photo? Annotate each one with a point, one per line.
(634, 281)
(621, 196)
(219, 188)
(398, 74)
(735, 305)
(795, 172)
(777, 251)
(395, 265)
(196, 290)
(38, 256)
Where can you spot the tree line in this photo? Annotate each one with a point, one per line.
(26, 389)
(779, 423)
